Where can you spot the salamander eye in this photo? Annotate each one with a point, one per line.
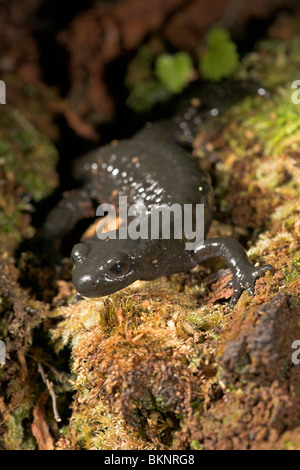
(118, 268)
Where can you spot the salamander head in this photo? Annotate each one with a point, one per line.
(103, 267)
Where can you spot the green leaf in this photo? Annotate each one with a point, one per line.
(174, 71)
(221, 57)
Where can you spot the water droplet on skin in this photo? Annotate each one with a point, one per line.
(70, 206)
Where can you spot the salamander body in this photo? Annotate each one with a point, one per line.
(150, 169)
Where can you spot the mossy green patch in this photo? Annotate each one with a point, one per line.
(27, 173)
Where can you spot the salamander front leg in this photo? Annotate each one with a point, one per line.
(76, 205)
(244, 273)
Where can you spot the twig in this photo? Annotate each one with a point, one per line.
(51, 391)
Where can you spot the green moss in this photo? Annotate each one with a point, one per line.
(292, 271)
(205, 319)
(195, 445)
(274, 123)
(14, 436)
(290, 445)
(27, 154)
(27, 173)
(273, 63)
(138, 333)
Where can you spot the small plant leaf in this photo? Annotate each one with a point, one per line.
(174, 71)
(221, 57)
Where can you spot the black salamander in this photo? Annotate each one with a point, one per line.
(151, 169)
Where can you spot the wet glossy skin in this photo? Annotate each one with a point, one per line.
(152, 169)
(154, 172)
